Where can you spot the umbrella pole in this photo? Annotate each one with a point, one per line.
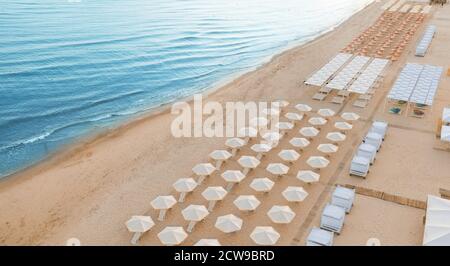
(211, 205)
(182, 196)
(218, 164)
(233, 152)
(135, 238)
(246, 170)
(230, 186)
(200, 179)
(259, 156)
(191, 226)
(162, 213)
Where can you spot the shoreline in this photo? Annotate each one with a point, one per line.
(78, 145)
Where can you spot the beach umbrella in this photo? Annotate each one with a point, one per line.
(271, 112)
(259, 122)
(248, 133)
(232, 177)
(208, 242)
(308, 176)
(264, 235)
(309, 132)
(327, 148)
(172, 235)
(262, 184)
(303, 107)
(350, 116)
(284, 126)
(281, 214)
(336, 136)
(235, 144)
(220, 156)
(317, 121)
(248, 162)
(299, 142)
(194, 214)
(73, 242)
(272, 137)
(344, 126)
(326, 112)
(294, 194)
(246, 203)
(294, 117)
(278, 169)
(289, 155)
(163, 203)
(139, 225)
(184, 186)
(261, 149)
(280, 103)
(228, 223)
(203, 170)
(317, 162)
(213, 195)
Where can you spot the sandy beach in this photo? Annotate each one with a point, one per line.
(90, 190)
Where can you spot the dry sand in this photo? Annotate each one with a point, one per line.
(90, 191)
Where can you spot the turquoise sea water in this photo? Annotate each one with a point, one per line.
(71, 67)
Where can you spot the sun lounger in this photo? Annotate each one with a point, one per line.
(360, 103)
(325, 90)
(364, 97)
(395, 111)
(319, 96)
(338, 100)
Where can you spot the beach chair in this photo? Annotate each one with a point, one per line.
(395, 111)
(360, 103)
(338, 99)
(319, 96)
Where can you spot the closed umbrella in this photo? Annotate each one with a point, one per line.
(172, 235)
(184, 186)
(246, 203)
(277, 169)
(139, 225)
(228, 223)
(303, 107)
(220, 156)
(300, 143)
(203, 170)
(327, 148)
(350, 116)
(261, 149)
(248, 133)
(317, 162)
(281, 214)
(207, 242)
(294, 194)
(336, 136)
(194, 214)
(265, 235)
(232, 177)
(317, 121)
(309, 132)
(213, 195)
(308, 176)
(248, 162)
(235, 144)
(163, 203)
(344, 126)
(263, 184)
(289, 155)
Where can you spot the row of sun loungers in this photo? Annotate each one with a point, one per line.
(366, 153)
(445, 130)
(423, 45)
(397, 6)
(263, 235)
(327, 71)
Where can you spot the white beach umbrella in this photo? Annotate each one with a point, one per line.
(336, 136)
(283, 126)
(317, 121)
(184, 186)
(309, 132)
(248, 133)
(172, 235)
(73, 242)
(261, 149)
(220, 156)
(163, 203)
(303, 107)
(281, 214)
(280, 103)
(308, 176)
(259, 122)
(344, 126)
(300, 143)
(235, 144)
(327, 148)
(213, 195)
(203, 170)
(194, 214)
(294, 117)
(289, 155)
(278, 169)
(263, 184)
(271, 111)
(246, 203)
(208, 242)
(350, 116)
(265, 235)
(232, 177)
(248, 162)
(228, 223)
(139, 225)
(295, 194)
(326, 112)
(272, 137)
(317, 162)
